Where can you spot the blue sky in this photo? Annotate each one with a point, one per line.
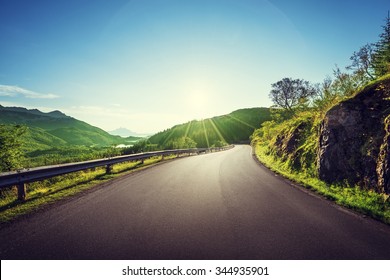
(147, 65)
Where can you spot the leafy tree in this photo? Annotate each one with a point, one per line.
(381, 58)
(181, 143)
(362, 63)
(290, 93)
(345, 84)
(334, 89)
(188, 143)
(11, 153)
(326, 96)
(219, 144)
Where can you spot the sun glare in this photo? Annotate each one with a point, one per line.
(198, 104)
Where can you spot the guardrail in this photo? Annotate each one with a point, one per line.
(21, 177)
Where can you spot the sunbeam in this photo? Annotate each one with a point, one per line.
(217, 131)
(188, 128)
(241, 121)
(205, 134)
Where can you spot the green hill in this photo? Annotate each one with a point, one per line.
(55, 129)
(235, 127)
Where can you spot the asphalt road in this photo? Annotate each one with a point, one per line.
(215, 206)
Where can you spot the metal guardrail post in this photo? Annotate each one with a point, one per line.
(21, 191)
(108, 169)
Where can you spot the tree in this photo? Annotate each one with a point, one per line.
(362, 63)
(220, 143)
(289, 93)
(326, 95)
(181, 143)
(345, 84)
(11, 153)
(381, 58)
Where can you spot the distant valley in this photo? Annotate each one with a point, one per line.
(124, 132)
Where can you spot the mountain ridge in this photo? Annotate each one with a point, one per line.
(55, 113)
(235, 127)
(56, 129)
(124, 132)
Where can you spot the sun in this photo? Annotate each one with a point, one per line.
(198, 104)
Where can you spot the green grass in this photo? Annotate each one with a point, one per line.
(46, 192)
(366, 202)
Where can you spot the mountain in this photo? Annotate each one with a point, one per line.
(235, 127)
(124, 132)
(55, 129)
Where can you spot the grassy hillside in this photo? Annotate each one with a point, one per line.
(38, 139)
(55, 129)
(232, 128)
(53, 138)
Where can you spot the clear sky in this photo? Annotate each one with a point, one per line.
(147, 65)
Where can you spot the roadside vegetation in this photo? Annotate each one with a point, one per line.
(289, 142)
(368, 202)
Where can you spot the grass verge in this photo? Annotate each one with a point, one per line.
(366, 202)
(43, 193)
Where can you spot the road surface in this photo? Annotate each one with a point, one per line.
(215, 206)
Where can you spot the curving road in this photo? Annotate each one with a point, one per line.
(214, 206)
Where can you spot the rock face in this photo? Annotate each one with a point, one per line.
(354, 140)
(287, 144)
(383, 167)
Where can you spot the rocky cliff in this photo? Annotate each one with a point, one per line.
(354, 143)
